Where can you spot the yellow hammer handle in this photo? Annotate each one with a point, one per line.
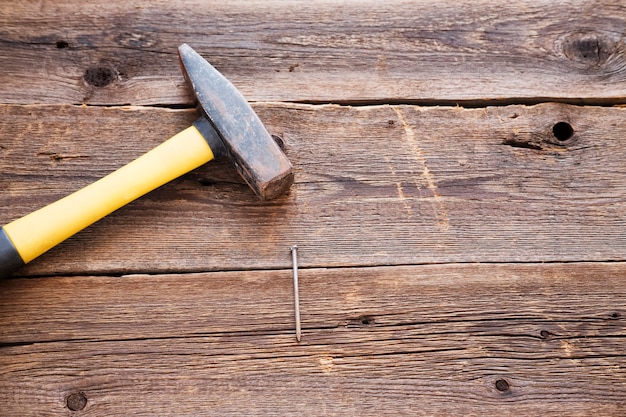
(35, 233)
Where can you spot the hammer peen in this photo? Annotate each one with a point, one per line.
(227, 126)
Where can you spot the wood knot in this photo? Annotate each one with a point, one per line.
(76, 401)
(100, 75)
(588, 49)
(559, 135)
(502, 385)
(544, 334)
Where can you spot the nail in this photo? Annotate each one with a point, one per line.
(296, 295)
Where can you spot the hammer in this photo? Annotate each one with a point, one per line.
(227, 126)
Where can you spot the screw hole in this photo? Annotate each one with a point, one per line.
(615, 315)
(562, 131)
(62, 44)
(502, 385)
(544, 334)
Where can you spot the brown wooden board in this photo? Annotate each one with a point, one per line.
(453, 260)
(383, 185)
(506, 339)
(419, 51)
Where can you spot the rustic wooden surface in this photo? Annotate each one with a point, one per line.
(458, 254)
(377, 341)
(422, 185)
(474, 51)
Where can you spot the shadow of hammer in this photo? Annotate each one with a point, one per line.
(227, 126)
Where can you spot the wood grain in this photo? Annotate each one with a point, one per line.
(367, 51)
(381, 185)
(421, 340)
(454, 260)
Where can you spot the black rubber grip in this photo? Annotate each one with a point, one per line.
(10, 259)
(211, 136)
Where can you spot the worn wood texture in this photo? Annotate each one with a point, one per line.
(424, 51)
(504, 339)
(385, 185)
(454, 260)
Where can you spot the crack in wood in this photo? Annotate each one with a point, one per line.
(60, 157)
(518, 143)
(355, 325)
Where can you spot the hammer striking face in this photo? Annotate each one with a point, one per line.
(227, 125)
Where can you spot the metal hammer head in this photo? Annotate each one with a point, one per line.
(257, 157)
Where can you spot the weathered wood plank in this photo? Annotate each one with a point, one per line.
(389, 186)
(567, 300)
(377, 341)
(466, 51)
(184, 377)
(375, 186)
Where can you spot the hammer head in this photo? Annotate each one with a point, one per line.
(257, 157)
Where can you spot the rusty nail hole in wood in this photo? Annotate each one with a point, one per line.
(100, 75)
(62, 44)
(76, 401)
(279, 141)
(562, 131)
(502, 385)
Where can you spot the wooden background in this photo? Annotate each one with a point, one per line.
(457, 256)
